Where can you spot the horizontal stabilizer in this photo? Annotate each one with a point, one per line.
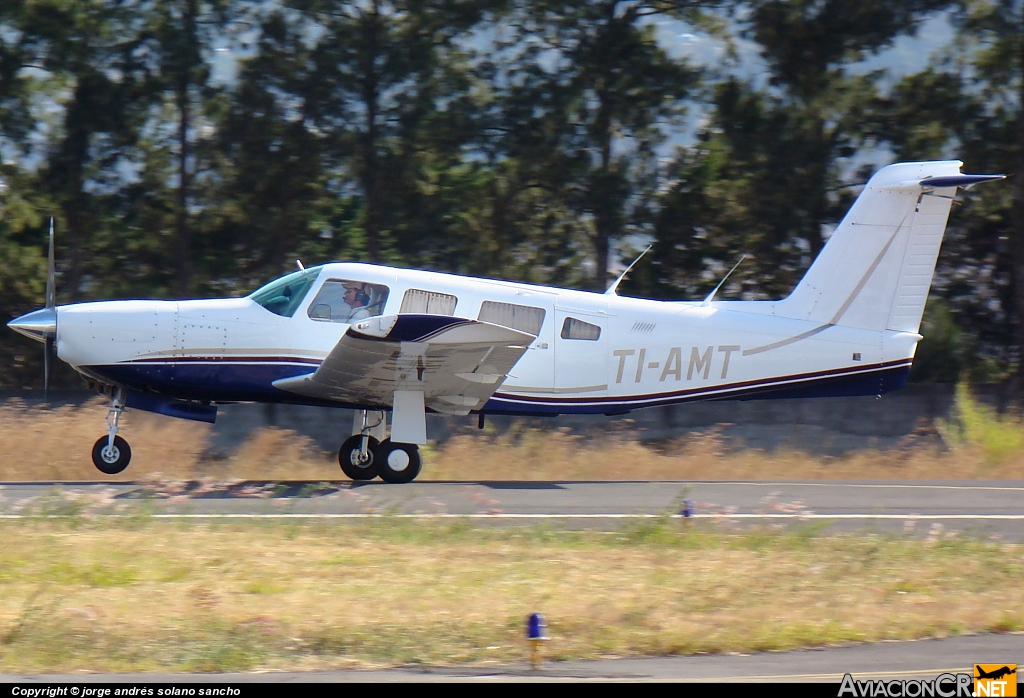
(959, 180)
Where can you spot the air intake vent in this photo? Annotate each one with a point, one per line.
(643, 327)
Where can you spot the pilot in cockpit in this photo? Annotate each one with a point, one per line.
(345, 300)
(357, 299)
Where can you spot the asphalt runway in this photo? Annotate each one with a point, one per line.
(985, 508)
(922, 659)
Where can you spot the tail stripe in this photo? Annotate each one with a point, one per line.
(867, 275)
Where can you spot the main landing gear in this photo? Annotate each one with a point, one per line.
(365, 455)
(111, 453)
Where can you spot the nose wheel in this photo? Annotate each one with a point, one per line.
(111, 453)
(111, 458)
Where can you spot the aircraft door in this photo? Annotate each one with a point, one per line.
(581, 363)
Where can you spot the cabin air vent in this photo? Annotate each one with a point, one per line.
(643, 327)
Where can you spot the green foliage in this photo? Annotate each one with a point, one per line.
(520, 139)
(1000, 437)
(942, 354)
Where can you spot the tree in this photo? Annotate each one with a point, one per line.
(967, 105)
(771, 172)
(809, 46)
(89, 47)
(608, 89)
(992, 36)
(270, 194)
(377, 72)
(177, 38)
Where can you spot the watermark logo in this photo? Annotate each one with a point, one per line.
(942, 686)
(995, 680)
(989, 680)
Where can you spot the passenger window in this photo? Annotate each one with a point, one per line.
(428, 303)
(577, 329)
(341, 300)
(524, 318)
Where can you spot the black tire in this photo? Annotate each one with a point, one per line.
(114, 461)
(348, 458)
(398, 463)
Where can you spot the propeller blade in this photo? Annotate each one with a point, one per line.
(51, 290)
(47, 364)
(51, 302)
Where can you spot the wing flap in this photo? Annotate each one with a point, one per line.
(456, 363)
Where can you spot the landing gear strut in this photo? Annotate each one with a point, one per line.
(367, 454)
(111, 453)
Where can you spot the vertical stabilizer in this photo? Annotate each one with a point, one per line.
(875, 271)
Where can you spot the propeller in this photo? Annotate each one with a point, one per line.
(51, 304)
(41, 325)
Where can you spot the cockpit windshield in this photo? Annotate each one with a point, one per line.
(283, 296)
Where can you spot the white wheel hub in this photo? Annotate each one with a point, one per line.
(398, 460)
(110, 454)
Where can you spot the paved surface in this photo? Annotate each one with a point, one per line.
(920, 508)
(924, 659)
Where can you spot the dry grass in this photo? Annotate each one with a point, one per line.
(38, 444)
(147, 595)
(538, 455)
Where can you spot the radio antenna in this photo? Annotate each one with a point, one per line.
(615, 285)
(711, 296)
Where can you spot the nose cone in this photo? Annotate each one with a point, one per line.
(37, 325)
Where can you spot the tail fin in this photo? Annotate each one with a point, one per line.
(876, 269)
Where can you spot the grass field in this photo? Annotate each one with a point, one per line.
(81, 592)
(146, 595)
(38, 444)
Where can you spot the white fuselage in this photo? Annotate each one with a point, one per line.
(644, 353)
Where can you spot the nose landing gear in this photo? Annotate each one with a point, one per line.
(111, 453)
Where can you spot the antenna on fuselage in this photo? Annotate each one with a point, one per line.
(711, 296)
(299, 262)
(615, 285)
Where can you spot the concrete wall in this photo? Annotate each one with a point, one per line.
(824, 426)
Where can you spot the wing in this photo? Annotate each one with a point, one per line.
(456, 363)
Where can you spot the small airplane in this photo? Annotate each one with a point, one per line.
(995, 674)
(406, 342)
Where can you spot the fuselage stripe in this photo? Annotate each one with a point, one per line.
(719, 389)
(225, 359)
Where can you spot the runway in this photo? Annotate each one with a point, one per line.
(921, 659)
(915, 507)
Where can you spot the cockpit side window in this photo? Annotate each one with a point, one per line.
(344, 300)
(283, 296)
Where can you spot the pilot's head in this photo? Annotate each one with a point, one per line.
(355, 294)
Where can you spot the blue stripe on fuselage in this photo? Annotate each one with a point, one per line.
(243, 381)
(860, 384)
(214, 380)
